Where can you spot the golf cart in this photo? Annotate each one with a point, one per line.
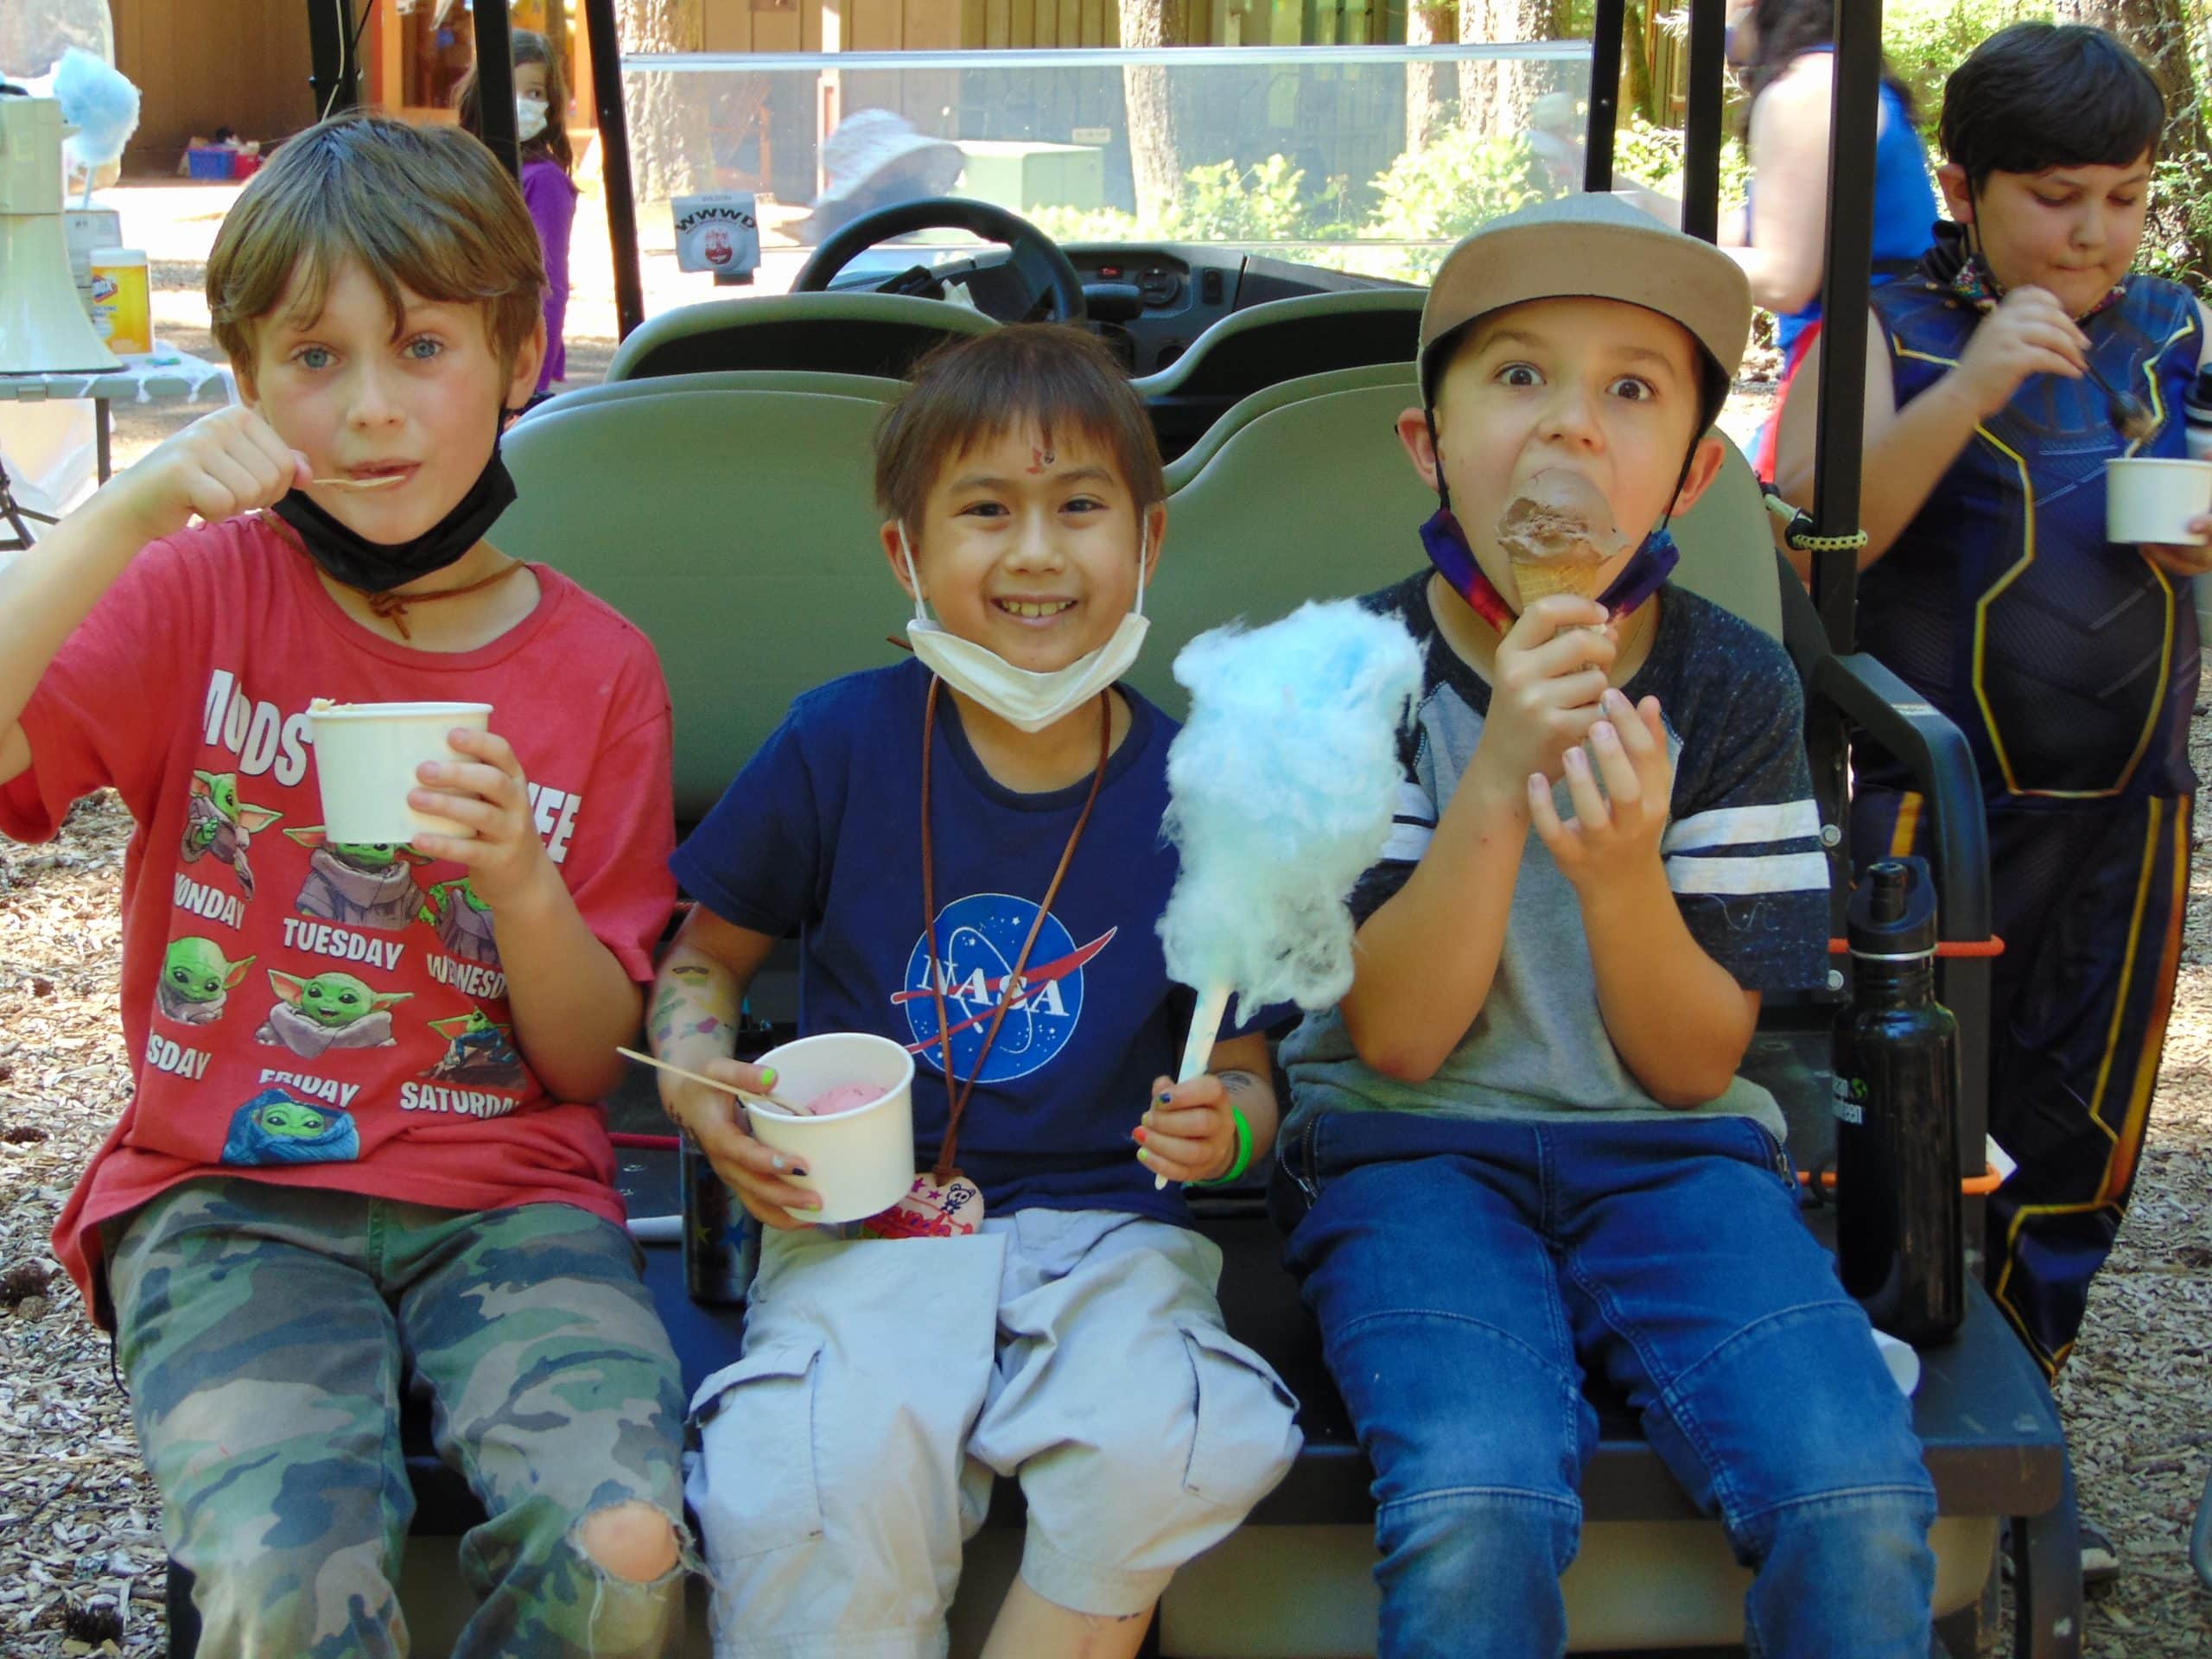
(1274, 373)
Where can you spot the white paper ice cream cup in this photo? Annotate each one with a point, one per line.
(1903, 1362)
(861, 1162)
(365, 759)
(2148, 499)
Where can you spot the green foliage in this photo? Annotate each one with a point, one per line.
(1225, 203)
(1925, 40)
(1220, 202)
(1091, 224)
(1459, 179)
(1652, 156)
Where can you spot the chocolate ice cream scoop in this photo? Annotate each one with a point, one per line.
(1558, 535)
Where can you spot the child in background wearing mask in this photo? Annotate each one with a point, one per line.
(968, 845)
(542, 129)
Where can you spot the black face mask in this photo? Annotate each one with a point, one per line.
(350, 557)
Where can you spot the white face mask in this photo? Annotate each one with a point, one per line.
(1020, 696)
(530, 119)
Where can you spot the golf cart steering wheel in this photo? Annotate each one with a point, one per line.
(1031, 255)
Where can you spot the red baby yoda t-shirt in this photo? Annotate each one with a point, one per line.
(308, 1013)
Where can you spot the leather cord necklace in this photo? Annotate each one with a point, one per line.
(1012, 986)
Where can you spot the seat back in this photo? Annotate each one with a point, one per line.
(1727, 545)
(737, 529)
(1310, 333)
(847, 333)
(1308, 498)
(1392, 385)
(869, 386)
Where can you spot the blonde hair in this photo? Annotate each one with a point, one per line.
(429, 209)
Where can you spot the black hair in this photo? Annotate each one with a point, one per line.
(1783, 32)
(2040, 95)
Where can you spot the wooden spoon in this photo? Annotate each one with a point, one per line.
(379, 482)
(746, 1095)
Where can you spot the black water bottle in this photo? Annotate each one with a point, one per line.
(1899, 1244)
(721, 1241)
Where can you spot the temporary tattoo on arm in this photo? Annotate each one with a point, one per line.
(1239, 1083)
(692, 1001)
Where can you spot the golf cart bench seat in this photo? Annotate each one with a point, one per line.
(752, 561)
(1295, 1581)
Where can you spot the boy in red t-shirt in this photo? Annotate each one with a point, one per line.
(362, 1123)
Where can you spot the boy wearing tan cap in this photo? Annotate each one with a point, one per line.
(1519, 1151)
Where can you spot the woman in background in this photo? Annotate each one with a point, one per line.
(1785, 50)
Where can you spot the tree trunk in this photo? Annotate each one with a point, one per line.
(1155, 153)
(1635, 59)
(2157, 31)
(1495, 98)
(1426, 25)
(670, 149)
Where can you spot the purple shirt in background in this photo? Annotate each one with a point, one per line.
(551, 195)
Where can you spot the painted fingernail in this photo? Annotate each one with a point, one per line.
(768, 1076)
(1140, 1135)
(1162, 1099)
(1144, 1156)
(798, 1172)
(780, 1164)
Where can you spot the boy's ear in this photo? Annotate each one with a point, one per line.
(529, 357)
(1705, 467)
(1958, 194)
(1155, 532)
(897, 559)
(1414, 432)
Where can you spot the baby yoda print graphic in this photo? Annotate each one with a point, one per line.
(196, 980)
(312, 1016)
(274, 1128)
(359, 884)
(463, 922)
(478, 1053)
(218, 825)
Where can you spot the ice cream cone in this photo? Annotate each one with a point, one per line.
(1537, 579)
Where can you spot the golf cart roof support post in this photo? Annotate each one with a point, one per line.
(1604, 93)
(1702, 133)
(335, 79)
(614, 163)
(1838, 443)
(495, 83)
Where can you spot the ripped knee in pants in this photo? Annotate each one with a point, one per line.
(631, 1540)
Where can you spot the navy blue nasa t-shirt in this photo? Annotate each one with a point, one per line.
(820, 834)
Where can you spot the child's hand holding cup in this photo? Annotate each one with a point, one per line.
(365, 756)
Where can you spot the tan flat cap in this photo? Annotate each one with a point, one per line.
(1588, 246)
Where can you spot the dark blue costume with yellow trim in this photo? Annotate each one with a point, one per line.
(2070, 663)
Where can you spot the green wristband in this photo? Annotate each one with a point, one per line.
(1244, 1152)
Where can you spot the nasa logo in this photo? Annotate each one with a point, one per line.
(981, 935)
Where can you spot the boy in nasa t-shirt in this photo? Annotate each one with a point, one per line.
(977, 875)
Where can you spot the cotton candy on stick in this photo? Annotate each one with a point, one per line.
(1281, 787)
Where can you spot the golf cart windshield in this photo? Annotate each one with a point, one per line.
(1356, 165)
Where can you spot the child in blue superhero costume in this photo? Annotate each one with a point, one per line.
(2069, 662)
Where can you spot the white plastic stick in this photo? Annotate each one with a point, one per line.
(1198, 1048)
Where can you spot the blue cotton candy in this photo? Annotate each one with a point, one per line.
(1280, 791)
(99, 102)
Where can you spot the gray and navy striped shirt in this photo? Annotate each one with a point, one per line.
(1742, 853)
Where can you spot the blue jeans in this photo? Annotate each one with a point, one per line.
(1465, 1274)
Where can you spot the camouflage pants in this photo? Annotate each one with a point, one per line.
(263, 1328)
